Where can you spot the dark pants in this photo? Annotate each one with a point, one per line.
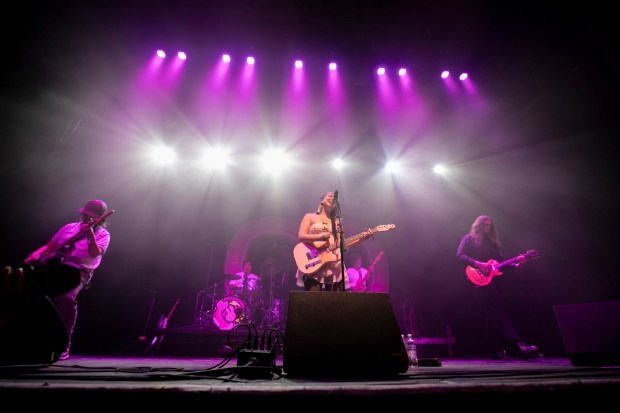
(500, 333)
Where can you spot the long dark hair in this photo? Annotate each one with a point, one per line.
(477, 231)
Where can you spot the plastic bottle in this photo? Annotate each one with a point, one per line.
(412, 352)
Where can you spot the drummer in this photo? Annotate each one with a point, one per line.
(246, 286)
(246, 282)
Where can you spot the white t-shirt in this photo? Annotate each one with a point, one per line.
(252, 282)
(356, 275)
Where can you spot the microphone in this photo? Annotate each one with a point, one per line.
(336, 195)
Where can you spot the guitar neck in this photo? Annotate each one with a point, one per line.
(510, 261)
(71, 240)
(361, 284)
(80, 235)
(352, 239)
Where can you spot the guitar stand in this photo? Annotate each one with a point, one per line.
(161, 330)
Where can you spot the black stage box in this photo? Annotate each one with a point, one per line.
(591, 332)
(342, 334)
(31, 331)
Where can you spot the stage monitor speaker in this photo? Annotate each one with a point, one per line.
(31, 332)
(591, 332)
(342, 334)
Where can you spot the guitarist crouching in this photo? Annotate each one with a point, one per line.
(64, 266)
(479, 248)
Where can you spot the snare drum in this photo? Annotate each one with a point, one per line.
(229, 312)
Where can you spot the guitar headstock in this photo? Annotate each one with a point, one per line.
(378, 257)
(532, 254)
(386, 227)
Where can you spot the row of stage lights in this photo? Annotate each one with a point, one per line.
(273, 161)
(250, 60)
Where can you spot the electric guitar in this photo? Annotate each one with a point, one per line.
(360, 287)
(484, 277)
(310, 257)
(56, 252)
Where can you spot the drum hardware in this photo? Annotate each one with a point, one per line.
(273, 316)
(203, 310)
(251, 293)
(273, 313)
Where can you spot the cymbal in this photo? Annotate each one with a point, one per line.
(231, 277)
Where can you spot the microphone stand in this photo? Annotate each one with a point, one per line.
(337, 230)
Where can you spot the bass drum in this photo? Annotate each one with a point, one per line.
(229, 312)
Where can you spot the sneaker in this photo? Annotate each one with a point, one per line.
(64, 355)
(498, 354)
(527, 351)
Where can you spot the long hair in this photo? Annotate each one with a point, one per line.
(319, 208)
(477, 231)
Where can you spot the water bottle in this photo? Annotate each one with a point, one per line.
(412, 353)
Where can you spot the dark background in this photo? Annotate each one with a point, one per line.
(537, 151)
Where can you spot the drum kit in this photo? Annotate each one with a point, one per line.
(245, 307)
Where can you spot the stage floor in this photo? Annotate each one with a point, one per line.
(155, 381)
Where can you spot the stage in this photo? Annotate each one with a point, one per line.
(316, 360)
(105, 381)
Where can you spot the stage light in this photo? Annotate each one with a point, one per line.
(392, 167)
(215, 158)
(275, 161)
(440, 169)
(338, 163)
(163, 155)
